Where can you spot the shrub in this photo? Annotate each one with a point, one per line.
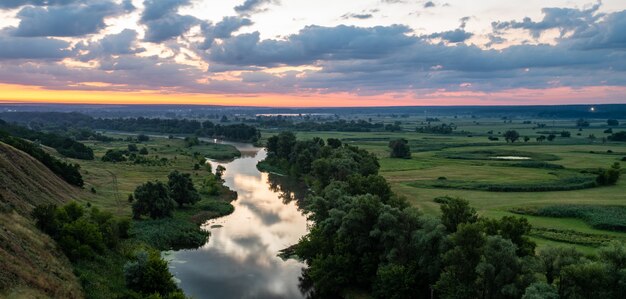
(152, 198)
(149, 274)
(113, 155)
(170, 233)
(609, 176)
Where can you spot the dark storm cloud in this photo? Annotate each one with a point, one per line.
(69, 20)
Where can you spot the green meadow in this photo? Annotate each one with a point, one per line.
(113, 182)
(499, 178)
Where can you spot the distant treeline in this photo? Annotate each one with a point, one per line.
(68, 172)
(68, 121)
(337, 125)
(64, 145)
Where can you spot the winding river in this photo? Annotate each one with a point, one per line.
(240, 258)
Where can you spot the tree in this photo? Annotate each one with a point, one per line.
(582, 123)
(143, 138)
(612, 122)
(585, 280)
(333, 142)
(143, 151)
(609, 176)
(554, 259)
(498, 269)
(551, 137)
(511, 136)
(456, 211)
(540, 290)
(113, 155)
(400, 149)
(181, 188)
(152, 198)
(457, 281)
(149, 274)
(526, 138)
(219, 172)
(132, 147)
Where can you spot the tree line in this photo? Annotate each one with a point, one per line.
(67, 171)
(77, 123)
(367, 238)
(65, 146)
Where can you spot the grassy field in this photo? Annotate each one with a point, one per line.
(113, 182)
(455, 164)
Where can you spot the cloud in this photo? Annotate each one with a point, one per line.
(429, 4)
(33, 48)
(123, 43)
(311, 44)
(163, 22)
(361, 16)
(253, 6)
(11, 4)
(65, 21)
(564, 19)
(608, 34)
(453, 36)
(156, 9)
(169, 27)
(223, 29)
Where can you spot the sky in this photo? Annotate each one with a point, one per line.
(303, 53)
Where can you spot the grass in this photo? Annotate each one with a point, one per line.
(611, 218)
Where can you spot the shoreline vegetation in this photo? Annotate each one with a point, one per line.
(114, 256)
(364, 239)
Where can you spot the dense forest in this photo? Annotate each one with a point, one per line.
(75, 121)
(64, 145)
(364, 237)
(67, 171)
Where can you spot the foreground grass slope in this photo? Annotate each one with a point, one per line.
(32, 266)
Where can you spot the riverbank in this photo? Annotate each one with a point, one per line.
(241, 258)
(111, 183)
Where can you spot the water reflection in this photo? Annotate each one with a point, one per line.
(240, 259)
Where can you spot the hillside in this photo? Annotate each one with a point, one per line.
(31, 265)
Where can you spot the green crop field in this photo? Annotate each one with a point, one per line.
(493, 174)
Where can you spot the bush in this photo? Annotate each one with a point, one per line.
(113, 155)
(169, 233)
(149, 274)
(400, 149)
(152, 198)
(81, 234)
(607, 177)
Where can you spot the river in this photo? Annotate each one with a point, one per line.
(240, 258)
